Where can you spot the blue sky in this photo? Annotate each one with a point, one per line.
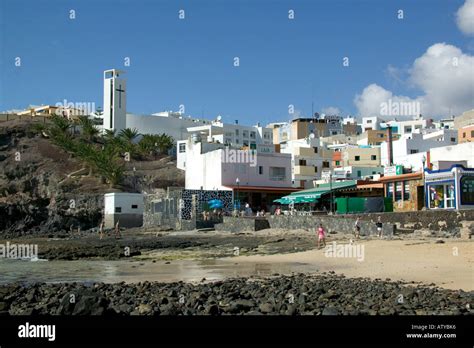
(190, 61)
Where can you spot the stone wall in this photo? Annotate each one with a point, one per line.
(330, 223)
(450, 221)
(441, 223)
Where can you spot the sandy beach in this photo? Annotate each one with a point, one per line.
(448, 265)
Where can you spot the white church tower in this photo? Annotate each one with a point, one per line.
(115, 110)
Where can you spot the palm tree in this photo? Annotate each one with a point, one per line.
(88, 128)
(149, 144)
(165, 142)
(129, 134)
(109, 134)
(60, 124)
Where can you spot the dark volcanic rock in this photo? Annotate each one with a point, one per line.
(325, 294)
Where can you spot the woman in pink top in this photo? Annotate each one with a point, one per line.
(321, 236)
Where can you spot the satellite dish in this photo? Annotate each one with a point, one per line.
(219, 118)
(311, 135)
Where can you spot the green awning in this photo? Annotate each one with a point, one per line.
(312, 195)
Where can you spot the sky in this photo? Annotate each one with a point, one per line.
(56, 50)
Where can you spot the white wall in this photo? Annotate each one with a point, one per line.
(125, 201)
(148, 124)
(210, 171)
(372, 122)
(459, 152)
(403, 147)
(249, 175)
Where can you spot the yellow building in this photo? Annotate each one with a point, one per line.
(360, 156)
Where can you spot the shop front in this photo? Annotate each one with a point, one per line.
(450, 188)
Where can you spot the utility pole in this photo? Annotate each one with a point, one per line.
(330, 188)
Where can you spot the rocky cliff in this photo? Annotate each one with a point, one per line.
(44, 190)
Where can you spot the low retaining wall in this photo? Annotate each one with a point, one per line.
(240, 224)
(330, 223)
(449, 221)
(441, 223)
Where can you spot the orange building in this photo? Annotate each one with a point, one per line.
(466, 134)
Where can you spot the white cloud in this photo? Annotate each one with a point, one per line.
(331, 110)
(465, 17)
(444, 74)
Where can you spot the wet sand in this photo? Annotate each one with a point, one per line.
(406, 260)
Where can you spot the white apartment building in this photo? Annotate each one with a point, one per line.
(410, 149)
(416, 124)
(308, 160)
(215, 166)
(372, 122)
(444, 135)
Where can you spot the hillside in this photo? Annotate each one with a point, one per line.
(44, 189)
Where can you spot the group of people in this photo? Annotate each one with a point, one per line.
(212, 215)
(357, 226)
(116, 230)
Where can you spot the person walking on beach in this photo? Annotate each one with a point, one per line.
(117, 230)
(101, 229)
(379, 226)
(357, 228)
(321, 236)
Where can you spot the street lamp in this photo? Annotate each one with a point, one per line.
(237, 181)
(330, 189)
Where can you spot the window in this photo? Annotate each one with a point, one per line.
(338, 163)
(464, 134)
(453, 140)
(325, 164)
(302, 162)
(441, 196)
(228, 140)
(373, 157)
(252, 135)
(406, 191)
(398, 190)
(381, 135)
(315, 169)
(357, 158)
(253, 145)
(390, 190)
(118, 209)
(369, 121)
(260, 170)
(237, 132)
(237, 141)
(407, 129)
(182, 148)
(472, 133)
(277, 173)
(134, 206)
(413, 151)
(315, 149)
(246, 143)
(467, 190)
(359, 173)
(245, 134)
